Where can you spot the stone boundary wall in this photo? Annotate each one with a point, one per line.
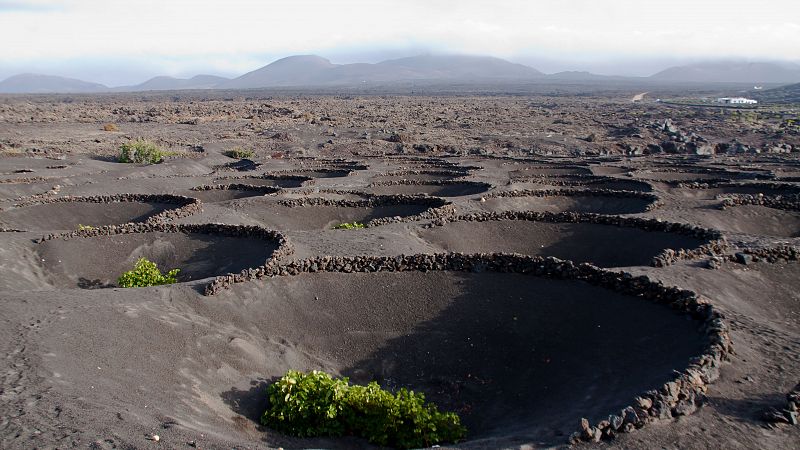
(27, 180)
(579, 180)
(269, 176)
(266, 190)
(723, 184)
(789, 202)
(346, 171)
(772, 254)
(715, 246)
(538, 165)
(284, 246)
(691, 183)
(419, 160)
(680, 396)
(186, 205)
(405, 182)
(438, 207)
(455, 173)
(709, 171)
(334, 191)
(337, 163)
(655, 200)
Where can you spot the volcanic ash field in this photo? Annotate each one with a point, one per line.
(549, 301)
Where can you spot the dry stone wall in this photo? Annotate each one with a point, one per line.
(682, 395)
(186, 206)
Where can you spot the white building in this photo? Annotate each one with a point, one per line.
(737, 101)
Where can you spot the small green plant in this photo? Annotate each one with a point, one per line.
(315, 404)
(349, 226)
(140, 152)
(145, 273)
(82, 227)
(239, 153)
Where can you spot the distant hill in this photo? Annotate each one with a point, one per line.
(164, 83)
(311, 70)
(783, 94)
(45, 84)
(732, 72)
(572, 75)
(289, 71)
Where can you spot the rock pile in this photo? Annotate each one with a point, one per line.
(790, 413)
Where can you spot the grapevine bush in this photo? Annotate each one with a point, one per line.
(145, 273)
(349, 226)
(316, 404)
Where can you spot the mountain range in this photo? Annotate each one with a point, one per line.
(316, 71)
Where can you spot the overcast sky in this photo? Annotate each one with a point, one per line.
(124, 42)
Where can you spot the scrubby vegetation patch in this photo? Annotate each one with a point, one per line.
(349, 226)
(146, 273)
(316, 404)
(140, 152)
(239, 153)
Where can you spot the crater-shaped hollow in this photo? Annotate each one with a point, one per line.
(91, 262)
(223, 193)
(272, 214)
(548, 171)
(283, 181)
(750, 219)
(744, 188)
(447, 189)
(617, 184)
(419, 175)
(511, 353)
(599, 244)
(577, 202)
(69, 215)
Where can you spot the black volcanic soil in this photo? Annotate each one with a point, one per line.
(521, 358)
(617, 184)
(562, 203)
(751, 219)
(601, 245)
(416, 177)
(98, 261)
(272, 215)
(67, 216)
(222, 195)
(436, 190)
(263, 181)
(503, 349)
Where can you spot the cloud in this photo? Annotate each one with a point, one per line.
(30, 5)
(234, 35)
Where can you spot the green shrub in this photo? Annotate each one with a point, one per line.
(239, 153)
(349, 226)
(82, 227)
(140, 152)
(145, 273)
(315, 404)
